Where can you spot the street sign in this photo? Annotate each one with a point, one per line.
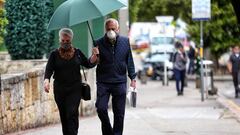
(201, 9)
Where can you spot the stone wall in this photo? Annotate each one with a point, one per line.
(16, 66)
(24, 104)
(4, 55)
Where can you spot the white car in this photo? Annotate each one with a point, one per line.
(162, 43)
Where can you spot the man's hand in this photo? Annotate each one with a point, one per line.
(229, 66)
(133, 83)
(46, 85)
(95, 53)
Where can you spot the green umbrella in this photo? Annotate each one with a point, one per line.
(73, 12)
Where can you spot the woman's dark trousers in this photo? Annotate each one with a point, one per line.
(179, 76)
(118, 92)
(68, 99)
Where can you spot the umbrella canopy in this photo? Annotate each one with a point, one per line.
(73, 12)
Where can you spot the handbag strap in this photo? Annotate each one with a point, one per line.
(85, 78)
(81, 67)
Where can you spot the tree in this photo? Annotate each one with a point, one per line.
(221, 31)
(27, 36)
(134, 7)
(3, 23)
(152, 8)
(236, 5)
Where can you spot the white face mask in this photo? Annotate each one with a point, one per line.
(111, 35)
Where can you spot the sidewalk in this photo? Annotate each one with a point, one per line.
(226, 93)
(218, 78)
(161, 112)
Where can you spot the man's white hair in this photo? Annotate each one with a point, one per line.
(65, 31)
(112, 20)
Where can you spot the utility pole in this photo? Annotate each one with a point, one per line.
(201, 57)
(201, 11)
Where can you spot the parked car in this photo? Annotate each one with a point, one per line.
(162, 43)
(141, 43)
(153, 65)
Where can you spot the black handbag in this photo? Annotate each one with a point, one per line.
(86, 89)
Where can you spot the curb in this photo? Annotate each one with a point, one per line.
(230, 105)
(215, 78)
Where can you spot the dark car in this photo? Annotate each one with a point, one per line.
(154, 65)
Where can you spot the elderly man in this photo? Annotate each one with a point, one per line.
(115, 59)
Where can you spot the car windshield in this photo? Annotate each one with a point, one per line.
(162, 40)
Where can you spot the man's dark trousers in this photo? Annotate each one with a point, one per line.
(118, 92)
(236, 78)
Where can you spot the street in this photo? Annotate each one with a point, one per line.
(161, 112)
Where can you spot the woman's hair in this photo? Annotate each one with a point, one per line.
(178, 44)
(66, 31)
(112, 20)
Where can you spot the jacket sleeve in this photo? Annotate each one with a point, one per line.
(130, 64)
(230, 59)
(84, 60)
(50, 66)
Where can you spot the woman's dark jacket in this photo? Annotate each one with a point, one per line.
(66, 71)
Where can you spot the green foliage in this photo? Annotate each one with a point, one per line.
(49, 9)
(27, 36)
(152, 8)
(221, 31)
(134, 6)
(3, 23)
(113, 15)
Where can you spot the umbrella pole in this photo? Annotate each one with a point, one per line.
(94, 43)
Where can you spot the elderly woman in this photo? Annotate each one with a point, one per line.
(64, 64)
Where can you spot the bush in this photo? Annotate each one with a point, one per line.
(27, 36)
(3, 23)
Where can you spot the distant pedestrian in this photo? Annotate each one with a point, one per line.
(233, 67)
(115, 61)
(180, 60)
(64, 64)
(191, 56)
